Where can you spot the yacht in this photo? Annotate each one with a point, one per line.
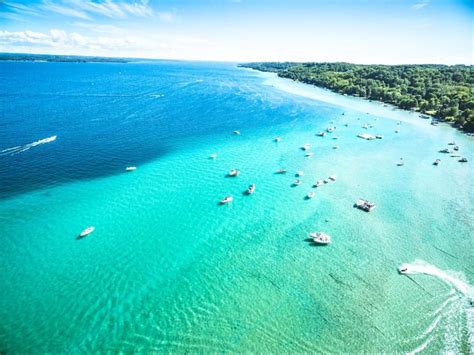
(297, 182)
(299, 173)
(226, 199)
(87, 231)
(332, 177)
(364, 205)
(310, 195)
(251, 189)
(437, 161)
(320, 238)
(463, 160)
(281, 171)
(321, 134)
(131, 168)
(213, 156)
(234, 172)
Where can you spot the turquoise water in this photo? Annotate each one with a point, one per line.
(168, 269)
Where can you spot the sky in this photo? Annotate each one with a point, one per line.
(356, 31)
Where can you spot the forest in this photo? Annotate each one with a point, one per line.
(441, 91)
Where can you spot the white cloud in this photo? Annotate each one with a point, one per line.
(420, 5)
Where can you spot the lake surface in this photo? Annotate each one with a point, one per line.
(168, 269)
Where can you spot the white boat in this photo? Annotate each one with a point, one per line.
(251, 189)
(306, 146)
(131, 168)
(309, 154)
(437, 161)
(310, 195)
(234, 172)
(277, 139)
(321, 134)
(403, 269)
(213, 156)
(237, 132)
(401, 162)
(332, 177)
(364, 205)
(367, 136)
(320, 238)
(299, 173)
(226, 199)
(330, 129)
(297, 182)
(87, 231)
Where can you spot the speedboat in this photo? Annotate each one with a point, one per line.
(364, 205)
(437, 161)
(213, 156)
(321, 134)
(297, 182)
(318, 183)
(236, 132)
(131, 168)
(281, 171)
(234, 172)
(309, 154)
(403, 269)
(463, 160)
(310, 195)
(87, 231)
(332, 177)
(306, 146)
(277, 139)
(251, 189)
(299, 173)
(226, 199)
(320, 238)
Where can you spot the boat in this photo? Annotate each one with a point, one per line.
(86, 231)
(309, 154)
(310, 195)
(330, 129)
(306, 146)
(452, 143)
(226, 199)
(281, 171)
(335, 137)
(234, 172)
(378, 136)
(332, 177)
(456, 148)
(335, 147)
(364, 205)
(297, 182)
(318, 183)
(346, 125)
(446, 150)
(320, 238)
(437, 161)
(455, 156)
(321, 134)
(325, 181)
(366, 126)
(236, 132)
(403, 269)
(367, 136)
(397, 131)
(299, 173)
(251, 189)
(277, 139)
(463, 160)
(401, 162)
(213, 156)
(131, 168)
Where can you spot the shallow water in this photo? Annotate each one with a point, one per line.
(168, 269)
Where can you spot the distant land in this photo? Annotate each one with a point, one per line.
(22, 57)
(443, 92)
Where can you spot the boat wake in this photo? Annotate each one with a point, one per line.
(465, 305)
(25, 147)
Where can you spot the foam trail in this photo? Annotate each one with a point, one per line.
(25, 147)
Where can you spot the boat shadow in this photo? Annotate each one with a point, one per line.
(79, 237)
(311, 243)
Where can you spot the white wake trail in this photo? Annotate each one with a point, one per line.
(25, 147)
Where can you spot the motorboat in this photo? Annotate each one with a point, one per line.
(403, 269)
(452, 143)
(335, 147)
(299, 173)
(366, 136)
(456, 148)
(234, 172)
(213, 156)
(463, 160)
(378, 136)
(309, 154)
(320, 238)
(277, 139)
(318, 183)
(86, 231)
(226, 199)
(306, 146)
(281, 171)
(335, 137)
(332, 177)
(364, 205)
(437, 161)
(321, 134)
(251, 189)
(297, 182)
(330, 129)
(401, 162)
(445, 150)
(131, 168)
(397, 131)
(310, 195)
(236, 133)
